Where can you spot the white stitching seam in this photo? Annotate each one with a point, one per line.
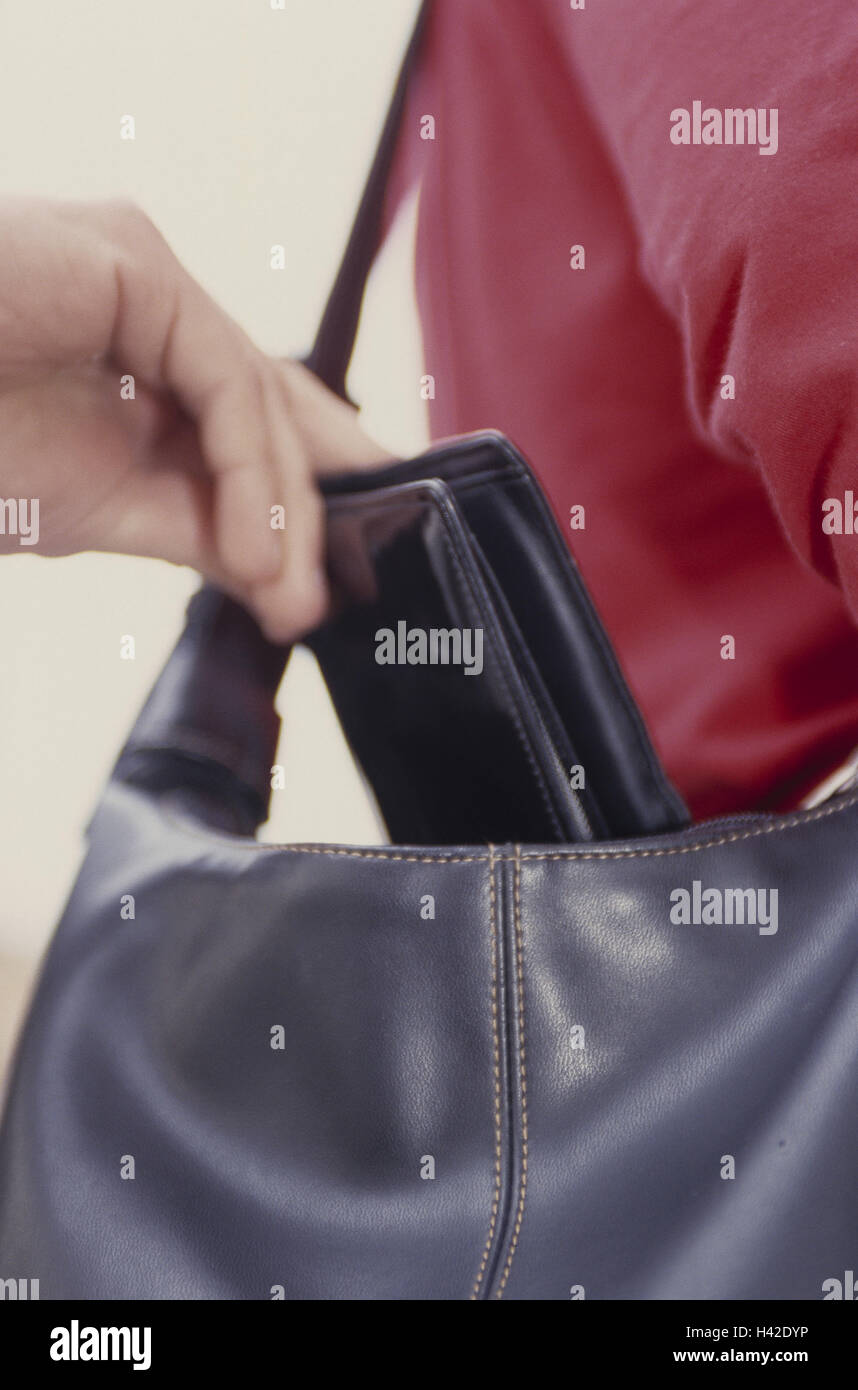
(522, 1068)
(774, 827)
(496, 1194)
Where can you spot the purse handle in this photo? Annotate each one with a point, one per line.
(208, 731)
(207, 735)
(331, 353)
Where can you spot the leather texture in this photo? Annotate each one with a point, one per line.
(259, 1169)
(432, 1072)
(492, 551)
(440, 1070)
(460, 536)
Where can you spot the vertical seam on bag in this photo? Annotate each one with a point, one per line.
(522, 1065)
(496, 1066)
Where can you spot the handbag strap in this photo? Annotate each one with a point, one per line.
(208, 731)
(332, 350)
(207, 735)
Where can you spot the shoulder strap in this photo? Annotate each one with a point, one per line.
(332, 350)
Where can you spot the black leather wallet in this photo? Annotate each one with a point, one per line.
(470, 671)
(471, 674)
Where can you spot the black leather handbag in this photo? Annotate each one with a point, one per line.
(554, 1042)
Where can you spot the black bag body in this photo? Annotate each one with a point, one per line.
(552, 1043)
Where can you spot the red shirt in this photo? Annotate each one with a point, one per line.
(703, 514)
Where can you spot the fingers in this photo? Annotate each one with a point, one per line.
(267, 519)
(329, 427)
(170, 506)
(97, 285)
(238, 452)
(295, 600)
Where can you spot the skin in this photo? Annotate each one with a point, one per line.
(218, 433)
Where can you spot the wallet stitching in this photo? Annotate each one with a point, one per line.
(469, 586)
(533, 705)
(341, 502)
(642, 747)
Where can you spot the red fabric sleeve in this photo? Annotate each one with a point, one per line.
(752, 254)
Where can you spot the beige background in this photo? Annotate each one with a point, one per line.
(254, 126)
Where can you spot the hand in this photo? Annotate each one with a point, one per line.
(216, 435)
